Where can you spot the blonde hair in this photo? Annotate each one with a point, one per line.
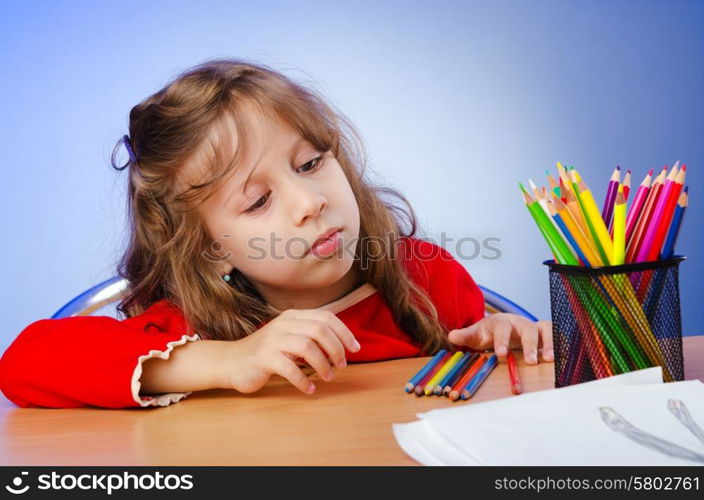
(164, 258)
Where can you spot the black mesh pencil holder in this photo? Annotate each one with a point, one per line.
(615, 319)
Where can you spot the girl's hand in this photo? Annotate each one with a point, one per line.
(316, 336)
(504, 331)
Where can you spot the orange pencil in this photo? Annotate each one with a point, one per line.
(462, 383)
(513, 373)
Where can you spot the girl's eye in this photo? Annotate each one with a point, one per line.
(315, 163)
(258, 205)
(312, 165)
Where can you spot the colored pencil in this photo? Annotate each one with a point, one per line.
(582, 241)
(657, 230)
(554, 186)
(619, 225)
(669, 249)
(610, 197)
(627, 184)
(564, 177)
(430, 386)
(513, 373)
(460, 373)
(420, 386)
(423, 371)
(479, 377)
(637, 239)
(572, 205)
(568, 236)
(462, 382)
(593, 218)
(635, 210)
(440, 386)
(555, 240)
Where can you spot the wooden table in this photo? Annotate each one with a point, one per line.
(347, 422)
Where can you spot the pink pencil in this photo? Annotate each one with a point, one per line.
(637, 206)
(658, 213)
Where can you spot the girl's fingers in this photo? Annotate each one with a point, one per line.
(545, 328)
(285, 367)
(339, 329)
(502, 336)
(528, 332)
(330, 343)
(308, 349)
(476, 336)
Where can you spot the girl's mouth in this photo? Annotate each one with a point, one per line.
(327, 246)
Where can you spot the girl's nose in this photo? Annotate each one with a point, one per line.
(306, 201)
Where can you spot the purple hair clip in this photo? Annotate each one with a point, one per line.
(128, 146)
(130, 151)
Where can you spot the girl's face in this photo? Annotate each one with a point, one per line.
(266, 224)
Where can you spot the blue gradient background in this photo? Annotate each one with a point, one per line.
(456, 102)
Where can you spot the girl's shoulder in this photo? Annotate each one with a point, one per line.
(452, 289)
(427, 261)
(163, 315)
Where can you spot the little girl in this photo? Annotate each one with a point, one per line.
(257, 247)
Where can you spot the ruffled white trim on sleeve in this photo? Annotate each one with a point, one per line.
(158, 399)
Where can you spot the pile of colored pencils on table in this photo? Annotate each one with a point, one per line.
(459, 375)
(616, 333)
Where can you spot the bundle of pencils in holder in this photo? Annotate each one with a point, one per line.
(614, 289)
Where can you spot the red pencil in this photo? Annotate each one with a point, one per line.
(652, 243)
(462, 383)
(627, 184)
(513, 373)
(420, 386)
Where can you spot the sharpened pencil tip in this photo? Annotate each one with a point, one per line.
(650, 172)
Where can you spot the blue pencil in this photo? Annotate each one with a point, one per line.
(669, 249)
(423, 371)
(458, 375)
(443, 381)
(479, 377)
(570, 238)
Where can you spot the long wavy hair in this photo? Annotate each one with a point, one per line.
(164, 258)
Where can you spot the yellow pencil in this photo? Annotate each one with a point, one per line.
(593, 217)
(619, 254)
(430, 386)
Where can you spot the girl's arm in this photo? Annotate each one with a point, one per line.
(196, 366)
(91, 360)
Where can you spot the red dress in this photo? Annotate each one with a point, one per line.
(97, 360)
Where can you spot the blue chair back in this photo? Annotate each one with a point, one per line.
(111, 290)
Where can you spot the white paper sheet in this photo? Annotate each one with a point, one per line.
(559, 426)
